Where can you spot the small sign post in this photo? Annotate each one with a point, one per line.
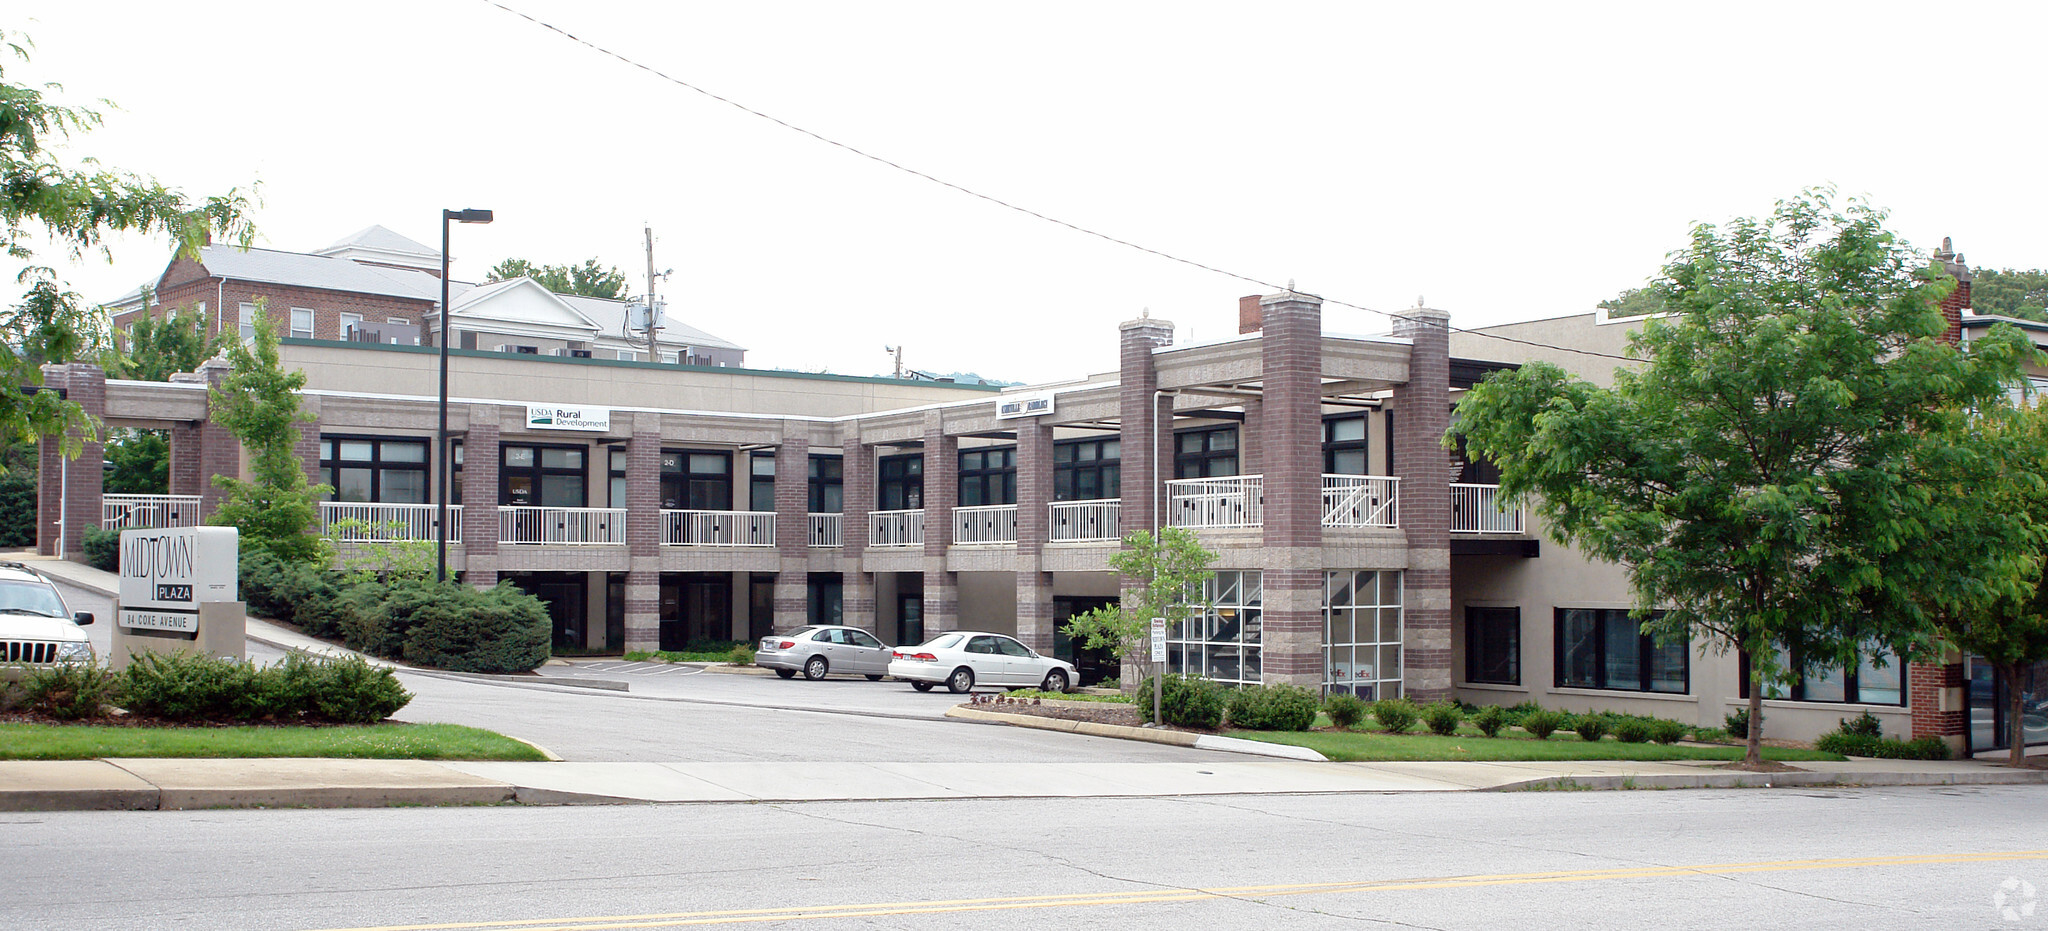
(1158, 664)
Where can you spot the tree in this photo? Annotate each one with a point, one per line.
(1167, 573)
(259, 404)
(1755, 476)
(1633, 302)
(587, 279)
(2011, 293)
(154, 349)
(44, 199)
(139, 462)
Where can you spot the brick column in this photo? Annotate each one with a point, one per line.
(1034, 495)
(1138, 416)
(480, 497)
(50, 475)
(941, 493)
(1290, 442)
(220, 452)
(1952, 305)
(1251, 440)
(643, 533)
(307, 446)
(1423, 407)
(793, 527)
(1935, 698)
(86, 386)
(856, 586)
(187, 474)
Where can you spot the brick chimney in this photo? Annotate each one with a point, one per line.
(1953, 305)
(1250, 319)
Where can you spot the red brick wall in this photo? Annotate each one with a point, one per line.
(327, 306)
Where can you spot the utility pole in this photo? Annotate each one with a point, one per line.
(653, 308)
(898, 352)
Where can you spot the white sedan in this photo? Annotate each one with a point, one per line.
(963, 659)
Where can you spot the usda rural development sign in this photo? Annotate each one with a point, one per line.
(167, 572)
(554, 417)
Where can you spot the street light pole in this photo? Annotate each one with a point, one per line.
(441, 450)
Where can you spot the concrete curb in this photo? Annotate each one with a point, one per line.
(1147, 734)
(1726, 779)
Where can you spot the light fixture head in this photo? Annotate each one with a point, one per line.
(470, 215)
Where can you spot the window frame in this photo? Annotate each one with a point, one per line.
(1069, 468)
(1647, 653)
(826, 483)
(907, 482)
(759, 483)
(987, 484)
(330, 464)
(1506, 619)
(1852, 682)
(540, 472)
(312, 320)
(686, 482)
(1362, 445)
(1199, 462)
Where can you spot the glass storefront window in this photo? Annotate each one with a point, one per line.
(1362, 633)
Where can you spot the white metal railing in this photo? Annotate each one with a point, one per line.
(1477, 509)
(128, 512)
(363, 522)
(718, 528)
(1236, 501)
(580, 526)
(985, 524)
(825, 529)
(1361, 501)
(896, 528)
(1086, 521)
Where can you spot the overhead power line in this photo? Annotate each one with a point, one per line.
(1270, 286)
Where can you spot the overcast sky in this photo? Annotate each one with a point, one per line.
(1502, 161)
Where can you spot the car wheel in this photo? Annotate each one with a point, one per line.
(786, 673)
(921, 686)
(815, 668)
(1056, 680)
(962, 680)
(874, 677)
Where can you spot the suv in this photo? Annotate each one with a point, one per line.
(36, 629)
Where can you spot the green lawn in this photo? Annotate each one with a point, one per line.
(370, 742)
(1360, 747)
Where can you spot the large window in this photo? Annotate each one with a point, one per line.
(828, 490)
(1362, 633)
(617, 458)
(1493, 645)
(370, 469)
(900, 483)
(696, 480)
(1344, 445)
(988, 476)
(1087, 470)
(1865, 683)
(1606, 649)
(248, 316)
(761, 481)
(1205, 453)
(1222, 642)
(302, 323)
(543, 476)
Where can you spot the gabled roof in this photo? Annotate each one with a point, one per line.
(377, 244)
(521, 305)
(610, 316)
(318, 271)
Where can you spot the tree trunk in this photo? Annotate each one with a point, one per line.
(1753, 753)
(2015, 707)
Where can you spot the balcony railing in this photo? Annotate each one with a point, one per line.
(361, 522)
(1086, 521)
(570, 526)
(133, 512)
(825, 529)
(988, 524)
(1236, 501)
(1361, 501)
(1477, 509)
(718, 528)
(896, 528)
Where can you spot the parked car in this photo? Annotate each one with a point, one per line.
(36, 629)
(820, 651)
(964, 658)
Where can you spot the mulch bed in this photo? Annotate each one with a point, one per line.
(1098, 712)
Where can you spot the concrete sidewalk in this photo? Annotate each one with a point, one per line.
(174, 784)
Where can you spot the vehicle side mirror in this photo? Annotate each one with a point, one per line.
(82, 618)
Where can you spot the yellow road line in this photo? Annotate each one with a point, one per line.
(1149, 896)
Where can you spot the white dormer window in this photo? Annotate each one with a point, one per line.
(668, 358)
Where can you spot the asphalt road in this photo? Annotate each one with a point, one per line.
(674, 715)
(1878, 858)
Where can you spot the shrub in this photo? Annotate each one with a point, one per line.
(1738, 724)
(1443, 718)
(18, 507)
(351, 691)
(1925, 748)
(1185, 701)
(1667, 732)
(181, 686)
(742, 655)
(1590, 727)
(1397, 715)
(71, 690)
(375, 618)
(1345, 709)
(1273, 708)
(497, 631)
(1541, 724)
(1519, 710)
(1490, 720)
(103, 549)
(1632, 730)
(1863, 725)
(1859, 744)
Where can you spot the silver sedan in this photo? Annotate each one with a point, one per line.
(821, 651)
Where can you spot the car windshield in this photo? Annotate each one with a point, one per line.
(30, 598)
